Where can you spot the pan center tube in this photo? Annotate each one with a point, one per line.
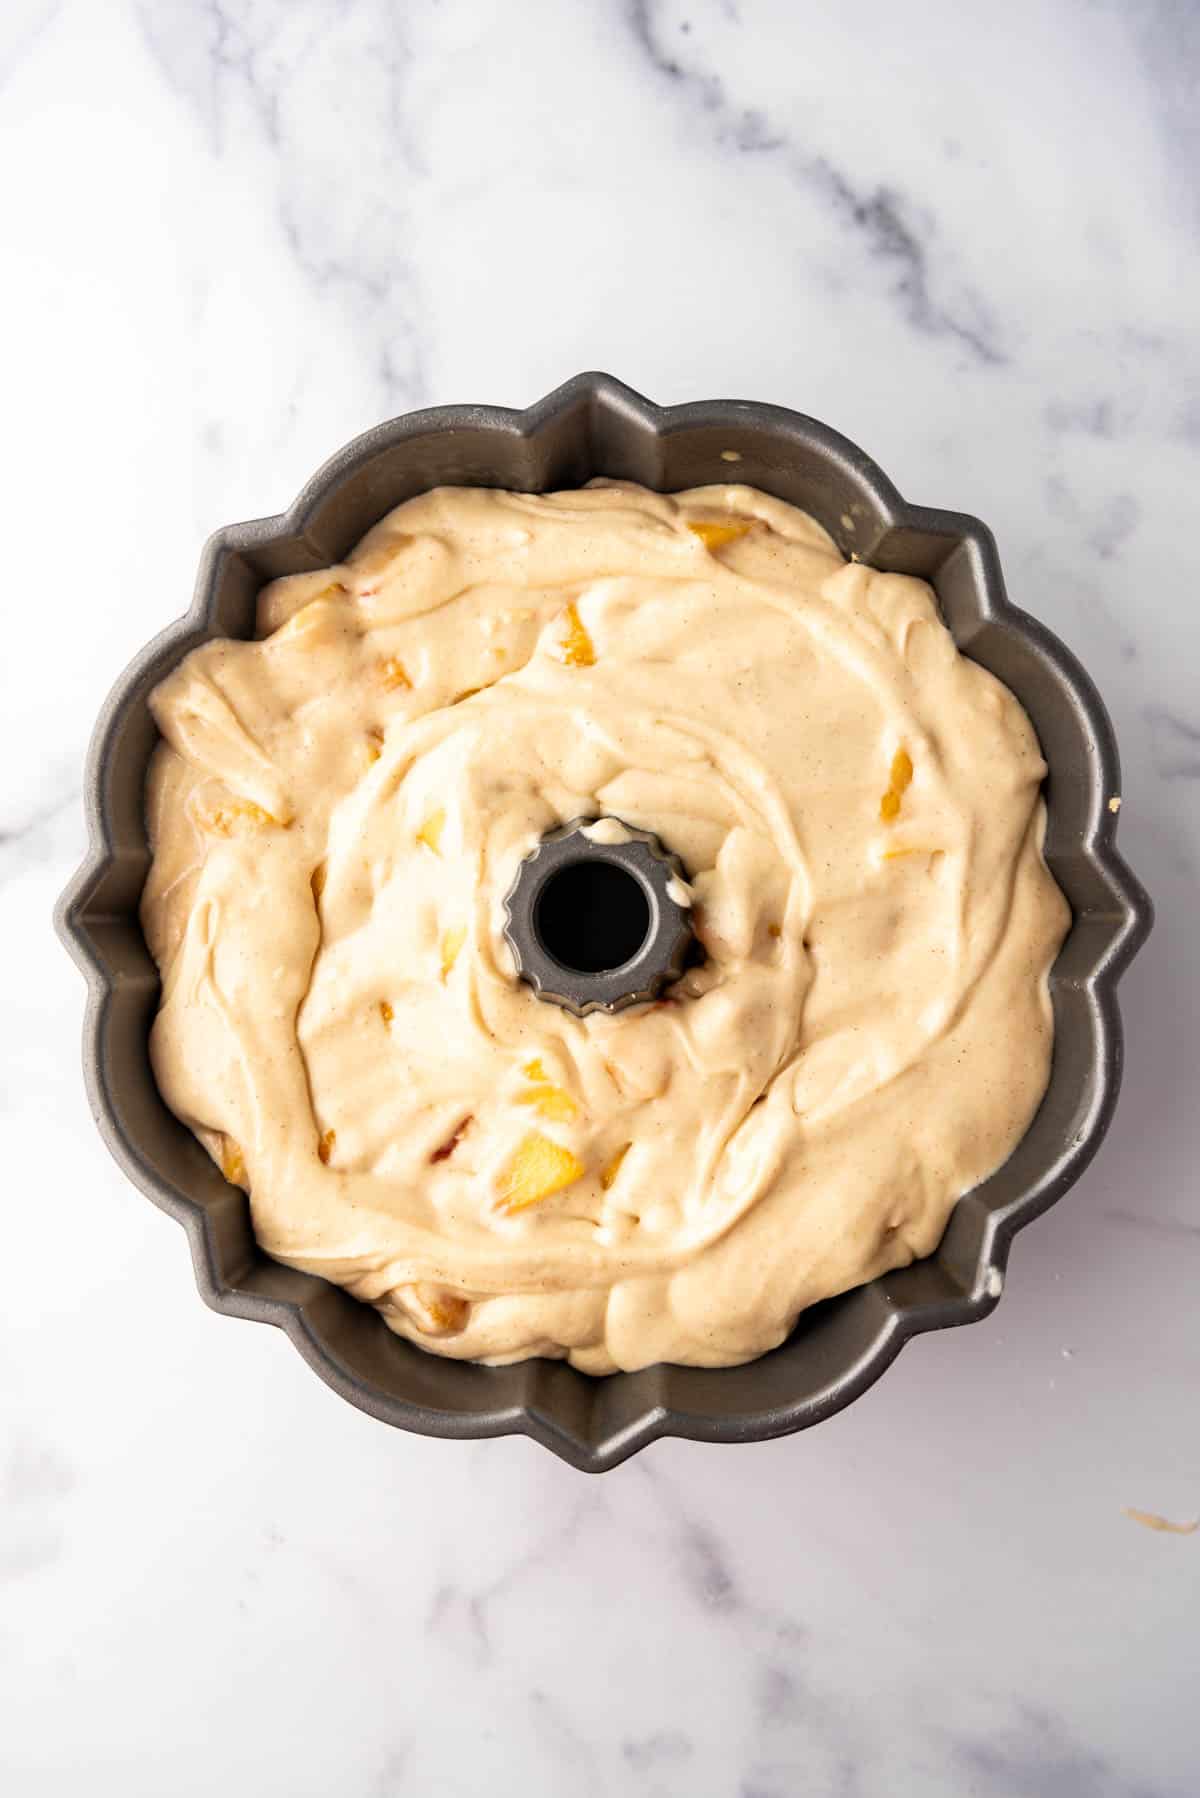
(599, 916)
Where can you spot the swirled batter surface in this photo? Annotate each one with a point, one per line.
(338, 809)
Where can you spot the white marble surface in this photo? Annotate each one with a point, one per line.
(236, 233)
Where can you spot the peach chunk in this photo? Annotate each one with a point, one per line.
(536, 1170)
(576, 648)
(448, 1313)
(233, 1163)
(231, 816)
(452, 941)
(901, 779)
(431, 830)
(612, 1167)
(306, 621)
(393, 674)
(325, 1146)
(716, 536)
(550, 1102)
(434, 1310)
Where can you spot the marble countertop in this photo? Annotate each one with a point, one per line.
(236, 234)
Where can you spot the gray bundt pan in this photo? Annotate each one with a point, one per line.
(595, 426)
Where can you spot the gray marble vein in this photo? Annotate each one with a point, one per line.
(42, 834)
(1171, 1228)
(1174, 744)
(22, 25)
(900, 239)
(342, 215)
(1033, 1757)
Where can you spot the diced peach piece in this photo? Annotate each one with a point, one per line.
(385, 1011)
(576, 649)
(393, 674)
(234, 815)
(714, 535)
(233, 1164)
(379, 559)
(374, 746)
(900, 780)
(307, 617)
(536, 1170)
(449, 1312)
(431, 830)
(325, 1146)
(612, 1167)
(299, 622)
(550, 1102)
(439, 1313)
(452, 941)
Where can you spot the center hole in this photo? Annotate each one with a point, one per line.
(592, 916)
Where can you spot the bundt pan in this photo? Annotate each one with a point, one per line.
(595, 426)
